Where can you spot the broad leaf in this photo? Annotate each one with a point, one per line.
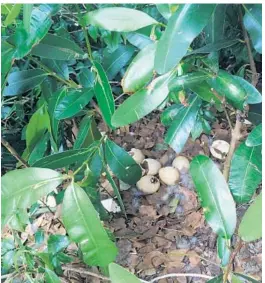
(121, 163)
(22, 81)
(250, 228)
(140, 71)
(13, 13)
(253, 23)
(114, 62)
(51, 277)
(63, 159)
(72, 103)
(216, 199)
(171, 113)
(253, 95)
(182, 28)
(180, 128)
(118, 19)
(223, 249)
(226, 85)
(58, 48)
(103, 94)
(142, 102)
(21, 188)
(119, 274)
(245, 172)
(85, 228)
(255, 137)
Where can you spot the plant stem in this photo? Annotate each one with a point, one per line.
(250, 56)
(6, 144)
(236, 135)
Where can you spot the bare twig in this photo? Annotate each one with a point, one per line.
(83, 271)
(6, 144)
(250, 56)
(181, 275)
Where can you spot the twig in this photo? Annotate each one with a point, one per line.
(250, 56)
(181, 275)
(6, 144)
(83, 271)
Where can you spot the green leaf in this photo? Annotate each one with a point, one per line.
(216, 199)
(11, 16)
(223, 249)
(21, 188)
(72, 103)
(171, 113)
(22, 81)
(253, 95)
(121, 163)
(140, 71)
(87, 134)
(226, 85)
(58, 48)
(245, 172)
(182, 28)
(38, 124)
(51, 277)
(253, 23)
(180, 128)
(187, 81)
(118, 19)
(142, 102)
(119, 274)
(62, 159)
(247, 277)
(85, 228)
(250, 228)
(27, 9)
(103, 94)
(255, 137)
(114, 62)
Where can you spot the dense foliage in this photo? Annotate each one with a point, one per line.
(68, 65)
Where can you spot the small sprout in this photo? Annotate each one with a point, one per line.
(148, 184)
(137, 155)
(219, 149)
(181, 163)
(151, 166)
(169, 175)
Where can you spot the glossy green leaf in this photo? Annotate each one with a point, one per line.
(27, 9)
(226, 85)
(38, 124)
(140, 71)
(85, 228)
(187, 81)
(216, 199)
(14, 12)
(182, 28)
(142, 102)
(21, 188)
(51, 277)
(118, 19)
(114, 62)
(121, 163)
(62, 159)
(250, 228)
(253, 23)
(103, 94)
(223, 249)
(72, 103)
(255, 137)
(245, 172)
(58, 48)
(171, 113)
(247, 277)
(22, 81)
(119, 274)
(167, 10)
(180, 128)
(253, 95)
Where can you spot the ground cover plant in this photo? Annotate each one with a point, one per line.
(131, 142)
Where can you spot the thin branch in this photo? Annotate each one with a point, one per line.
(6, 144)
(181, 275)
(83, 271)
(250, 56)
